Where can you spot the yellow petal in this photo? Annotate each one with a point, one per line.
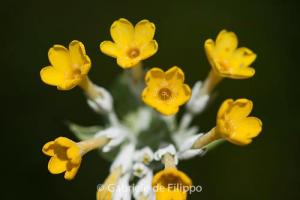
(48, 148)
(59, 58)
(65, 142)
(149, 49)
(171, 175)
(109, 48)
(52, 76)
(126, 62)
(167, 194)
(226, 42)
(209, 47)
(74, 154)
(69, 84)
(183, 94)
(235, 72)
(79, 57)
(224, 108)
(171, 184)
(122, 32)
(246, 130)
(56, 166)
(175, 73)
(243, 57)
(242, 73)
(167, 110)
(144, 32)
(240, 109)
(71, 171)
(154, 74)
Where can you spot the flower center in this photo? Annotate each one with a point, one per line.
(171, 181)
(224, 64)
(73, 74)
(164, 94)
(76, 73)
(133, 53)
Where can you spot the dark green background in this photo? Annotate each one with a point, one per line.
(33, 113)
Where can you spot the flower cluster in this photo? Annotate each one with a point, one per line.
(146, 133)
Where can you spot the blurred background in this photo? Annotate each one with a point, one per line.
(33, 113)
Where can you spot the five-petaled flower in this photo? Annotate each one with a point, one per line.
(65, 157)
(234, 124)
(166, 91)
(68, 66)
(226, 59)
(131, 44)
(170, 184)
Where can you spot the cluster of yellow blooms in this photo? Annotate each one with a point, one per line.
(164, 91)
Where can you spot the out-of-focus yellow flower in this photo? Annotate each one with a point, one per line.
(105, 192)
(166, 91)
(65, 157)
(234, 124)
(171, 184)
(131, 44)
(68, 66)
(226, 59)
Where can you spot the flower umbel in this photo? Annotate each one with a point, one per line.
(134, 136)
(234, 124)
(132, 44)
(226, 59)
(68, 66)
(166, 91)
(171, 184)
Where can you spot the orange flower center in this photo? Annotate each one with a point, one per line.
(133, 53)
(164, 94)
(73, 74)
(224, 65)
(76, 73)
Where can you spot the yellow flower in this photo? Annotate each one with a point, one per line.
(226, 59)
(65, 157)
(131, 44)
(166, 91)
(68, 67)
(171, 184)
(234, 124)
(105, 192)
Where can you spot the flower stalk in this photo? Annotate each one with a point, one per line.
(210, 83)
(137, 73)
(206, 139)
(89, 88)
(93, 143)
(169, 161)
